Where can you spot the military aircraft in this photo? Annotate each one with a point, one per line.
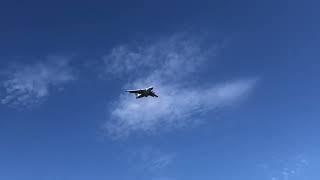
(143, 92)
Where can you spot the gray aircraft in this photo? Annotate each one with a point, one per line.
(143, 92)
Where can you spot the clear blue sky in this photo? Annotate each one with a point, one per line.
(238, 84)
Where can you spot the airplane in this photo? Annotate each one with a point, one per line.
(143, 92)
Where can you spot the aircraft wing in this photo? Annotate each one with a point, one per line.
(154, 95)
(139, 91)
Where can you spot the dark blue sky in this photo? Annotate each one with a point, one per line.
(238, 85)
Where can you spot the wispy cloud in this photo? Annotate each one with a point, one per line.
(176, 106)
(286, 169)
(150, 160)
(170, 65)
(171, 58)
(29, 84)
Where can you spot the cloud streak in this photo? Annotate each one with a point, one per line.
(176, 106)
(30, 84)
(171, 65)
(150, 160)
(286, 169)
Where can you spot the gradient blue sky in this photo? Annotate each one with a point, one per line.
(238, 85)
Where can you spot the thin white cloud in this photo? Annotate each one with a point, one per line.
(170, 58)
(287, 169)
(150, 160)
(175, 106)
(171, 66)
(29, 84)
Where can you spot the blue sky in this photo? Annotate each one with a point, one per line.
(237, 82)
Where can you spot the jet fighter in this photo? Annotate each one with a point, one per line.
(143, 92)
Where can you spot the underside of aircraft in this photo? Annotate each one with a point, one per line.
(143, 92)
